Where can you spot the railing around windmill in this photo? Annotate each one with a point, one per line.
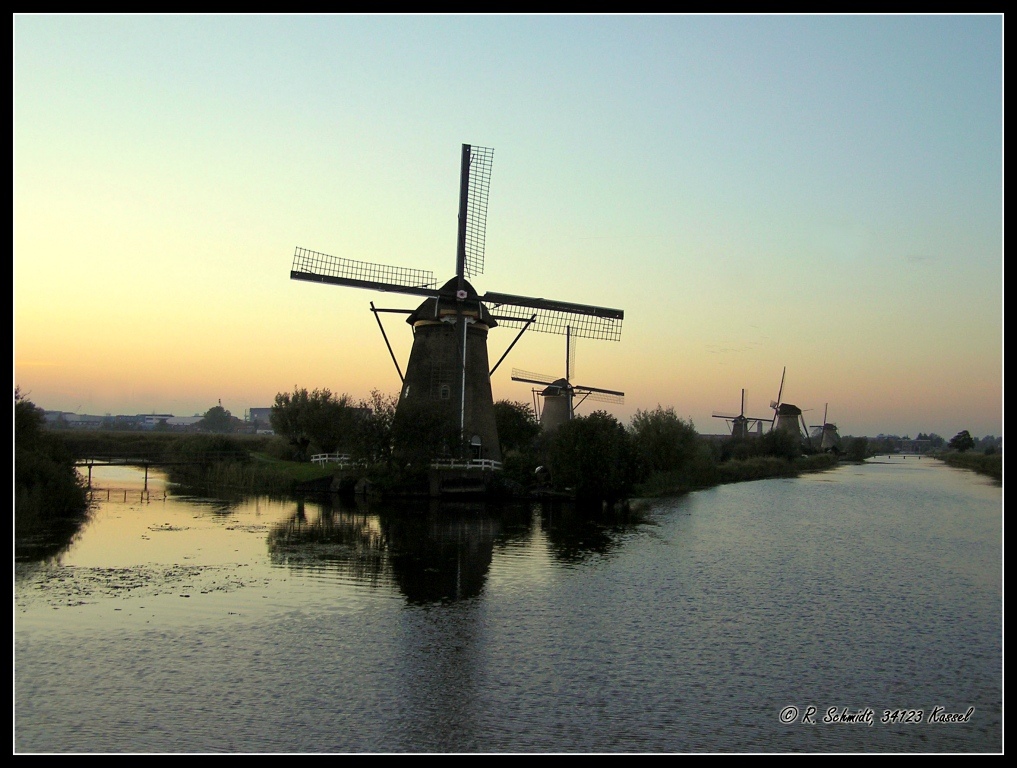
(342, 459)
(345, 461)
(487, 464)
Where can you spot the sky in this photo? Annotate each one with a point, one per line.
(817, 198)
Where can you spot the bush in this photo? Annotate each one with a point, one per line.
(209, 460)
(991, 464)
(46, 485)
(755, 468)
(592, 456)
(858, 449)
(663, 441)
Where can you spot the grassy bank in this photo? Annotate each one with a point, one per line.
(259, 475)
(706, 474)
(150, 445)
(985, 464)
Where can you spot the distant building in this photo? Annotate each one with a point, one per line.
(153, 420)
(65, 419)
(261, 420)
(259, 416)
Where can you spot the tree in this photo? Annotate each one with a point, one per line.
(962, 441)
(663, 441)
(46, 484)
(373, 439)
(858, 448)
(593, 455)
(28, 421)
(217, 419)
(517, 425)
(315, 422)
(781, 443)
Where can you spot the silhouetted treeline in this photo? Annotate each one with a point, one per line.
(46, 485)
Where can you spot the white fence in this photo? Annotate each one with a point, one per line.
(344, 460)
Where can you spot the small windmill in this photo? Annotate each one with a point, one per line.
(448, 371)
(788, 417)
(559, 395)
(826, 434)
(741, 425)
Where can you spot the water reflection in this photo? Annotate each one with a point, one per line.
(574, 535)
(47, 541)
(431, 551)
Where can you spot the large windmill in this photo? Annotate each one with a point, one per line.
(559, 396)
(788, 417)
(741, 425)
(448, 373)
(825, 434)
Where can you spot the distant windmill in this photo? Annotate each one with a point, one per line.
(741, 425)
(448, 370)
(825, 435)
(560, 395)
(788, 417)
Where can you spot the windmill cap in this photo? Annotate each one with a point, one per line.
(446, 303)
(556, 388)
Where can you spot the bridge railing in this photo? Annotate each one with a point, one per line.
(466, 464)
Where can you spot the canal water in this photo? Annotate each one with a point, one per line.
(855, 610)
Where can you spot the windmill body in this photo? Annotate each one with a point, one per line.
(787, 417)
(434, 374)
(826, 436)
(830, 440)
(448, 375)
(557, 405)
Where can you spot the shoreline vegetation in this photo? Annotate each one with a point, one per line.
(593, 460)
(47, 489)
(990, 464)
(246, 464)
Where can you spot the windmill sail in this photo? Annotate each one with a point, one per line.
(475, 182)
(316, 267)
(584, 320)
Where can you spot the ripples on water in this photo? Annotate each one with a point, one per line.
(191, 625)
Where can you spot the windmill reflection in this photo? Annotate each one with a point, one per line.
(430, 553)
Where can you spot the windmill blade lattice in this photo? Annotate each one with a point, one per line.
(481, 159)
(600, 397)
(556, 317)
(319, 267)
(533, 378)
